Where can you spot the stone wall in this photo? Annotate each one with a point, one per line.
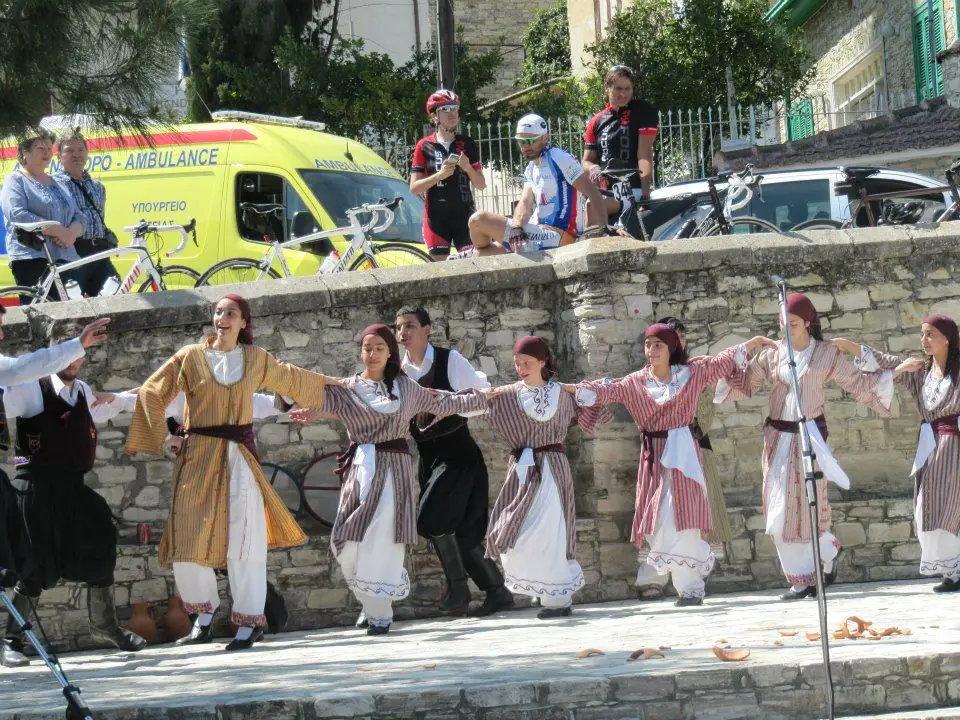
(591, 300)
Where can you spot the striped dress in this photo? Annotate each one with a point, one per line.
(365, 425)
(691, 507)
(720, 533)
(823, 364)
(197, 529)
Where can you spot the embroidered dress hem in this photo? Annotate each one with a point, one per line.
(197, 608)
(376, 588)
(541, 589)
(667, 562)
(244, 620)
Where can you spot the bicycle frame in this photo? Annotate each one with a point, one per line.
(864, 199)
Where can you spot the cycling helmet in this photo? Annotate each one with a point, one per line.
(441, 98)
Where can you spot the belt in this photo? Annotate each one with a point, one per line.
(946, 425)
(648, 436)
(793, 427)
(558, 447)
(398, 446)
(242, 434)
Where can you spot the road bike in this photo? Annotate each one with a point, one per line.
(862, 209)
(361, 254)
(314, 492)
(740, 187)
(158, 277)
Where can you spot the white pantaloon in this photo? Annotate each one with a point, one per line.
(373, 567)
(939, 549)
(537, 564)
(246, 554)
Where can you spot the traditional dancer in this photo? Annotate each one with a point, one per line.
(651, 584)
(934, 388)
(376, 517)
(69, 525)
(672, 512)
(533, 525)
(784, 503)
(454, 486)
(223, 512)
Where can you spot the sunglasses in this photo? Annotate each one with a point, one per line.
(527, 141)
(621, 68)
(449, 108)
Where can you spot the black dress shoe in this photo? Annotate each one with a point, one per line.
(11, 653)
(362, 621)
(378, 629)
(496, 600)
(947, 585)
(688, 601)
(199, 634)
(794, 594)
(550, 612)
(255, 636)
(830, 577)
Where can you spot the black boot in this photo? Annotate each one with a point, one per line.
(199, 634)
(103, 621)
(11, 649)
(237, 644)
(457, 599)
(488, 578)
(275, 610)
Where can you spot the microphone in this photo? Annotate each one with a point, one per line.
(777, 280)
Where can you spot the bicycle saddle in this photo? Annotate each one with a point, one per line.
(859, 174)
(35, 226)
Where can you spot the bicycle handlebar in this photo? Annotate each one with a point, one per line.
(186, 232)
(387, 209)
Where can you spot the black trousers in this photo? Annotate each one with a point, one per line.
(454, 489)
(69, 528)
(92, 277)
(13, 539)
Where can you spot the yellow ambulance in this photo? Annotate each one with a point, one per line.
(214, 172)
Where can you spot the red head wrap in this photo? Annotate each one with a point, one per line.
(666, 333)
(384, 332)
(246, 335)
(537, 348)
(947, 327)
(799, 304)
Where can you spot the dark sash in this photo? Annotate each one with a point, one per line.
(388, 446)
(789, 426)
(242, 434)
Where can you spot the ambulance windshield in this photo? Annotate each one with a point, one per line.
(339, 191)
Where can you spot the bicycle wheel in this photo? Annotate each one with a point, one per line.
(818, 224)
(234, 270)
(286, 485)
(175, 277)
(320, 489)
(744, 224)
(392, 255)
(11, 296)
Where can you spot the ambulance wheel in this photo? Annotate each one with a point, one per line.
(10, 296)
(392, 255)
(234, 270)
(175, 277)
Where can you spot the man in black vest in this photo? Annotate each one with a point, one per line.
(453, 477)
(70, 526)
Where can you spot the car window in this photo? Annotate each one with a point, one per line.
(932, 201)
(268, 189)
(785, 204)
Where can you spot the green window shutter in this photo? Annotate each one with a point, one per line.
(800, 119)
(929, 73)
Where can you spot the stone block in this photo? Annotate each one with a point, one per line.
(888, 532)
(909, 694)
(850, 534)
(853, 300)
(643, 688)
(492, 696)
(575, 690)
(725, 706)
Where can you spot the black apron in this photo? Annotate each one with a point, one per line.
(69, 526)
(454, 485)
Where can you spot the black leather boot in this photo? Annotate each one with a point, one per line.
(199, 634)
(103, 621)
(457, 598)
(11, 649)
(275, 610)
(488, 578)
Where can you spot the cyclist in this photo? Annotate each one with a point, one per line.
(622, 134)
(445, 168)
(547, 214)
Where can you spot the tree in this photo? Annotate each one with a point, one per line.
(680, 52)
(547, 45)
(101, 58)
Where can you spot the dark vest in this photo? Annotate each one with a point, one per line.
(437, 379)
(62, 437)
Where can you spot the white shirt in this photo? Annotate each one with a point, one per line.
(26, 400)
(39, 363)
(460, 372)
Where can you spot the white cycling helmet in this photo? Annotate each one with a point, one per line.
(532, 125)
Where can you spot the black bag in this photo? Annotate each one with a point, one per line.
(109, 239)
(32, 240)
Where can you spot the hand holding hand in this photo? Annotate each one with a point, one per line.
(909, 365)
(568, 388)
(305, 416)
(760, 341)
(102, 398)
(846, 346)
(175, 443)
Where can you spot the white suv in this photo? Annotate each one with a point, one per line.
(787, 198)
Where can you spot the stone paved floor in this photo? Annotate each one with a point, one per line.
(344, 666)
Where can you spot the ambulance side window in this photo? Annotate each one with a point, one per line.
(292, 216)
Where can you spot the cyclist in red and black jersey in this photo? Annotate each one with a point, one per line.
(445, 169)
(623, 131)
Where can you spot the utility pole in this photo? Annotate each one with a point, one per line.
(446, 44)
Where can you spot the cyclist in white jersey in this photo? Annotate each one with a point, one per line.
(547, 215)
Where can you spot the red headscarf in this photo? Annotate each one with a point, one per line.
(246, 335)
(666, 333)
(537, 348)
(384, 332)
(947, 327)
(799, 304)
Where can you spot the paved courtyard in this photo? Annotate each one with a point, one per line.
(515, 666)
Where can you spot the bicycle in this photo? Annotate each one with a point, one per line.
(361, 254)
(720, 220)
(315, 491)
(159, 277)
(638, 219)
(892, 213)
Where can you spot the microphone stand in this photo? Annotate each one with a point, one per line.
(76, 708)
(810, 481)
